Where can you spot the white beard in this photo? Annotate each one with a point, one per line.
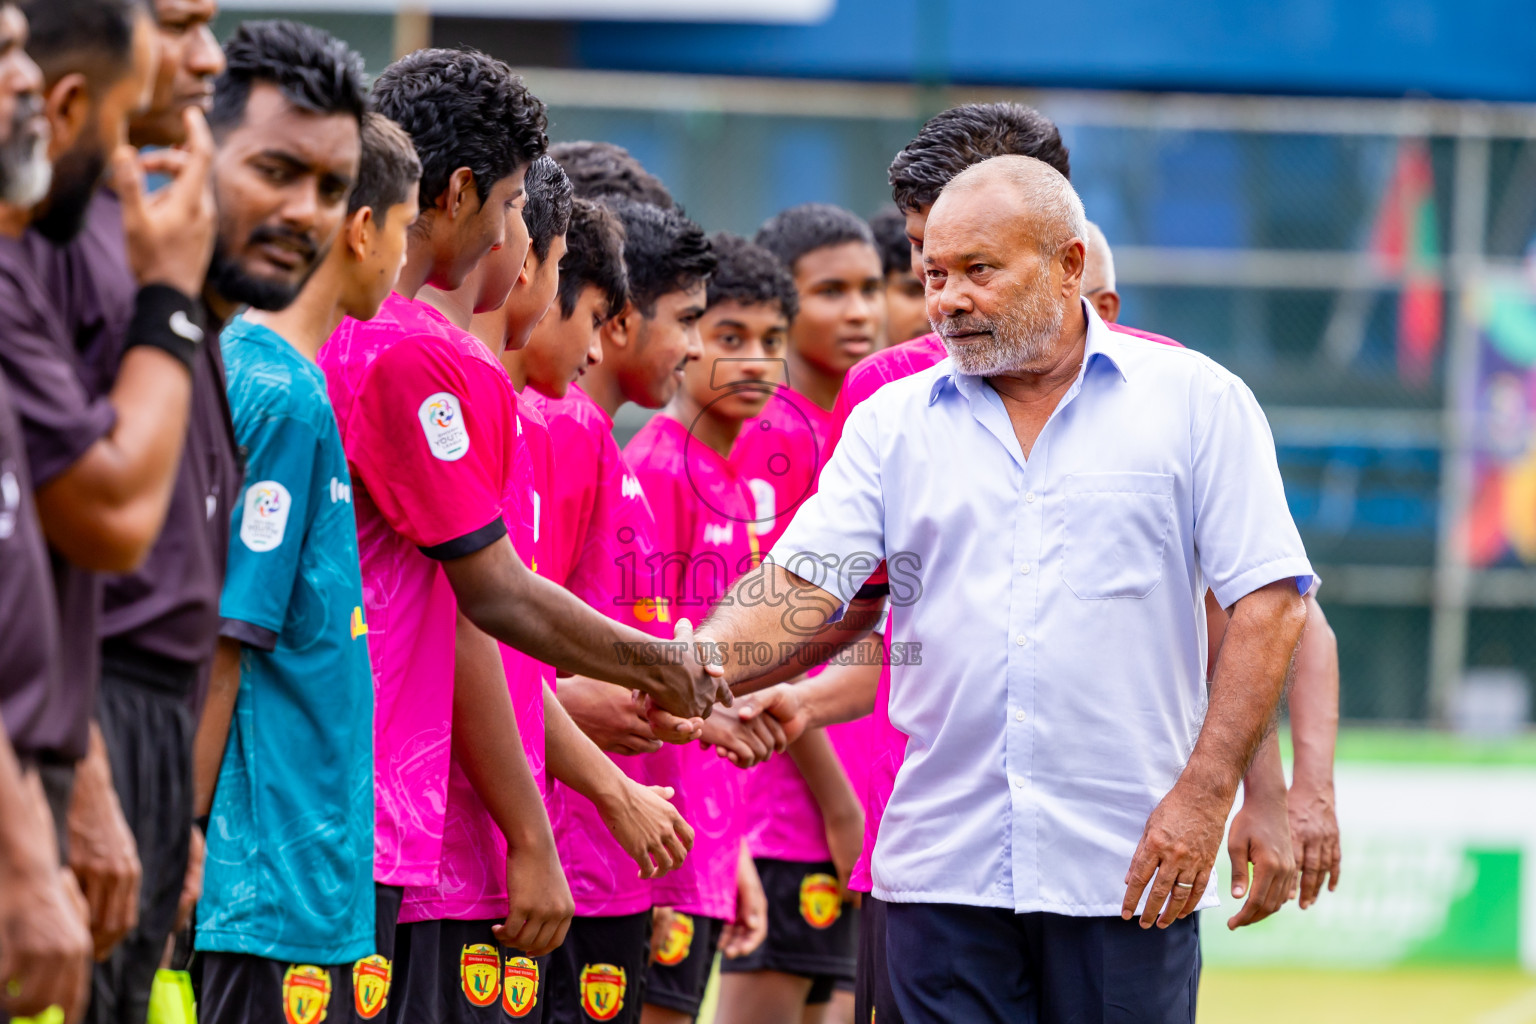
(1020, 336)
(27, 182)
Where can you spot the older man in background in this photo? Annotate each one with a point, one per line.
(1069, 494)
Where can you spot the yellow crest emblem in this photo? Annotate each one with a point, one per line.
(306, 993)
(520, 986)
(674, 948)
(821, 904)
(602, 990)
(370, 985)
(480, 974)
(359, 627)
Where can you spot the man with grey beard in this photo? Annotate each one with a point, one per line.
(1070, 493)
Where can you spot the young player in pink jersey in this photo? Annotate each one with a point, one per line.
(704, 513)
(445, 920)
(429, 426)
(805, 847)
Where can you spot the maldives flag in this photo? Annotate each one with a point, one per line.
(1406, 239)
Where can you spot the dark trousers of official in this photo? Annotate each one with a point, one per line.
(148, 734)
(980, 964)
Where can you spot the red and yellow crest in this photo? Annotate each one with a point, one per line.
(821, 904)
(306, 994)
(679, 940)
(602, 990)
(519, 986)
(370, 985)
(480, 974)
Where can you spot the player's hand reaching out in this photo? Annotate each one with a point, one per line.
(1260, 835)
(1315, 838)
(696, 683)
(743, 935)
(608, 715)
(649, 828)
(540, 905)
(665, 726)
(743, 743)
(782, 703)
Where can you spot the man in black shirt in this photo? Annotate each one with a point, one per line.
(44, 945)
(103, 454)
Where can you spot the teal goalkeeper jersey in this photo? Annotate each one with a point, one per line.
(289, 873)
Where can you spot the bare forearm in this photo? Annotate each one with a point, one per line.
(1314, 702)
(824, 775)
(840, 693)
(574, 759)
(788, 625)
(830, 641)
(1255, 661)
(1266, 775)
(26, 840)
(487, 742)
(505, 599)
(213, 726)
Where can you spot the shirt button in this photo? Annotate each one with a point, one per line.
(1018, 783)
(1019, 716)
(1024, 568)
(1021, 640)
(1030, 498)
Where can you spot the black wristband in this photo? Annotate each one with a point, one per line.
(167, 319)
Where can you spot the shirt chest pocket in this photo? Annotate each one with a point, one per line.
(1115, 529)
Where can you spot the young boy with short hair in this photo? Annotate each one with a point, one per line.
(808, 825)
(288, 913)
(906, 308)
(704, 514)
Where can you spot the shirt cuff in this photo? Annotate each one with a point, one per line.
(1298, 569)
(468, 544)
(249, 633)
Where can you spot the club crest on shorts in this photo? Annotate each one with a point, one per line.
(306, 994)
(519, 986)
(679, 940)
(821, 904)
(602, 990)
(480, 974)
(370, 985)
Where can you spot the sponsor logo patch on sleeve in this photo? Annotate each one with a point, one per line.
(266, 515)
(442, 420)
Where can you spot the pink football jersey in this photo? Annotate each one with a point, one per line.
(705, 540)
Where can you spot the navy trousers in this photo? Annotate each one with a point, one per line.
(986, 965)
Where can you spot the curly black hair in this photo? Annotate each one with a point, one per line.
(968, 134)
(548, 209)
(751, 275)
(387, 168)
(599, 169)
(313, 70)
(462, 109)
(93, 37)
(798, 230)
(890, 229)
(594, 257)
(664, 251)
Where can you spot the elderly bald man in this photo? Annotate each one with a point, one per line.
(1065, 494)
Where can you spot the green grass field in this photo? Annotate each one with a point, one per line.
(1230, 995)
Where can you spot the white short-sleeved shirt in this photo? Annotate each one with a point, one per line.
(1058, 602)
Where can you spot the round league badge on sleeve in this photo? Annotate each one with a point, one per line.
(266, 515)
(442, 420)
